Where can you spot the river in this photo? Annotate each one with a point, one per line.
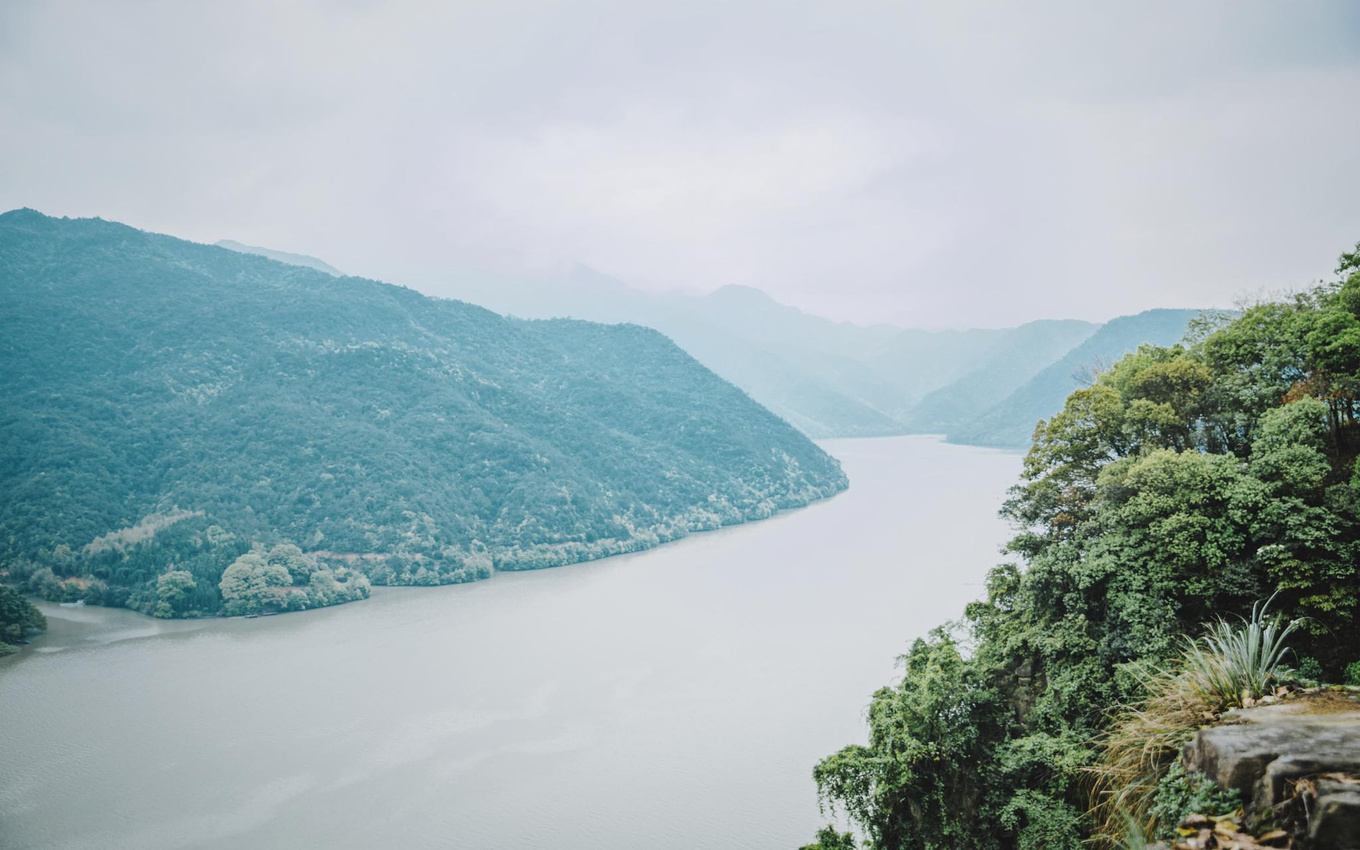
(676, 698)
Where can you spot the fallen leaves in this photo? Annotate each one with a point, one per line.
(1199, 832)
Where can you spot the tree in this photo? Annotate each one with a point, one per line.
(299, 565)
(172, 593)
(18, 618)
(253, 585)
(830, 838)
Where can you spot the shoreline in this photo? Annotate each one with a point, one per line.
(144, 625)
(40, 644)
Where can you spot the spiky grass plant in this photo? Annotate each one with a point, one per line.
(1231, 663)
(1234, 662)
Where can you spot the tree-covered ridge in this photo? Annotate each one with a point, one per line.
(170, 405)
(1184, 484)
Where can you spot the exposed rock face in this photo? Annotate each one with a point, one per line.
(1335, 818)
(1299, 760)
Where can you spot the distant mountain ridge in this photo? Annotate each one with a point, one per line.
(1010, 423)
(281, 256)
(837, 379)
(1012, 361)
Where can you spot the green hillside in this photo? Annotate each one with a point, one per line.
(175, 404)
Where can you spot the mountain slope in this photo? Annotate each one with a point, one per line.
(836, 379)
(282, 256)
(1024, 352)
(159, 390)
(804, 368)
(816, 407)
(918, 362)
(1011, 422)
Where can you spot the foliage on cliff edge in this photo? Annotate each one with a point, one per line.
(1182, 485)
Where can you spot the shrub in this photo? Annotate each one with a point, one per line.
(1311, 669)
(1182, 793)
(1139, 749)
(830, 838)
(1352, 676)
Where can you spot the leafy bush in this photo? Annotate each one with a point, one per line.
(1310, 669)
(18, 619)
(1181, 793)
(1352, 674)
(830, 838)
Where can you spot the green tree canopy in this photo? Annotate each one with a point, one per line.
(1183, 484)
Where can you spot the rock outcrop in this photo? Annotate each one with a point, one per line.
(1296, 763)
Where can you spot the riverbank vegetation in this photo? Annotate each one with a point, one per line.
(285, 579)
(1180, 488)
(18, 619)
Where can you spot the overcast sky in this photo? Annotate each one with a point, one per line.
(946, 164)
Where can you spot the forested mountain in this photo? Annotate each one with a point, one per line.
(173, 409)
(1187, 483)
(1011, 421)
(281, 256)
(838, 379)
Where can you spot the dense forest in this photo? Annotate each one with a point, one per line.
(1182, 488)
(191, 430)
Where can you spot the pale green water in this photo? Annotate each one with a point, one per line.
(673, 699)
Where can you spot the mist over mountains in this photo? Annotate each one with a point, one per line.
(837, 379)
(282, 256)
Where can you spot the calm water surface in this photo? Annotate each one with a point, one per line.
(676, 698)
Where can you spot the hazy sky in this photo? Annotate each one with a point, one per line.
(929, 164)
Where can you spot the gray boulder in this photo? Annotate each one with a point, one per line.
(1303, 749)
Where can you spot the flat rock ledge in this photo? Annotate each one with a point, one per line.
(1296, 762)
